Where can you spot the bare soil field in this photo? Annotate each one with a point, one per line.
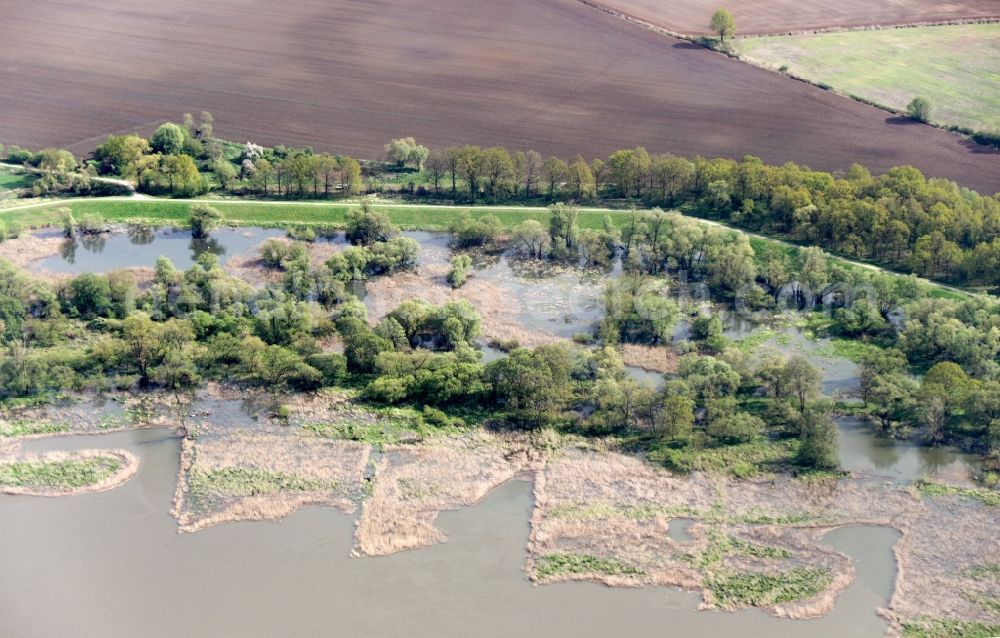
(345, 76)
(788, 16)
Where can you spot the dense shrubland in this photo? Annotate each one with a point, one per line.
(669, 262)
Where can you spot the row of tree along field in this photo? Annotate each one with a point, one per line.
(935, 376)
(900, 219)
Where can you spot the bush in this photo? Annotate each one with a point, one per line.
(204, 219)
(919, 109)
(91, 224)
(366, 226)
(459, 270)
(18, 155)
(301, 233)
(332, 366)
(466, 231)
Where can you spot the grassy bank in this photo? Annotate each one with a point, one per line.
(955, 67)
(254, 213)
(61, 473)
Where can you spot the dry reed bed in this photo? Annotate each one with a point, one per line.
(329, 471)
(497, 301)
(413, 483)
(128, 466)
(28, 248)
(651, 358)
(617, 509)
(944, 538)
(249, 267)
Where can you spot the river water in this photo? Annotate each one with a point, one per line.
(112, 564)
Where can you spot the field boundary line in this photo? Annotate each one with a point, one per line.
(733, 55)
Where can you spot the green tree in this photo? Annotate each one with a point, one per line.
(532, 384)
(366, 226)
(674, 419)
(802, 380)
(168, 139)
(722, 22)
(530, 238)
(580, 179)
(224, 171)
(498, 169)
(203, 219)
(121, 153)
(818, 441)
(554, 173)
(405, 150)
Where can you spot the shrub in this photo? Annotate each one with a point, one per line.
(919, 109)
(459, 270)
(204, 219)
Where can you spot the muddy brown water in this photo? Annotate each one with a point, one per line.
(112, 564)
(865, 452)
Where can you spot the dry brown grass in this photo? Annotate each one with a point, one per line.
(944, 537)
(28, 248)
(129, 466)
(607, 505)
(496, 303)
(414, 483)
(331, 462)
(651, 358)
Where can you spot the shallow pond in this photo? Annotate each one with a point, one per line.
(112, 564)
(863, 451)
(138, 247)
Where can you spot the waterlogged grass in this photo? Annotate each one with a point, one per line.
(25, 427)
(948, 628)
(68, 474)
(744, 460)
(755, 550)
(130, 417)
(208, 486)
(757, 517)
(749, 345)
(984, 496)
(856, 351)
(386, 426)
(743, 589)
(381, 432)
(604, 511)
(989, 603)
(551, 565)
(983, 571)
(721, 545)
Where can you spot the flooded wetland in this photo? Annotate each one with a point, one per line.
(485, 515)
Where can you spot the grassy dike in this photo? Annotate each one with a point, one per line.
(407, 216)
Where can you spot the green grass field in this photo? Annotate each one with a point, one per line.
(10, 180)
(957, 67)
(281, 214)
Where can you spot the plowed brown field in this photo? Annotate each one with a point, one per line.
(347, 76)
(790, 16)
